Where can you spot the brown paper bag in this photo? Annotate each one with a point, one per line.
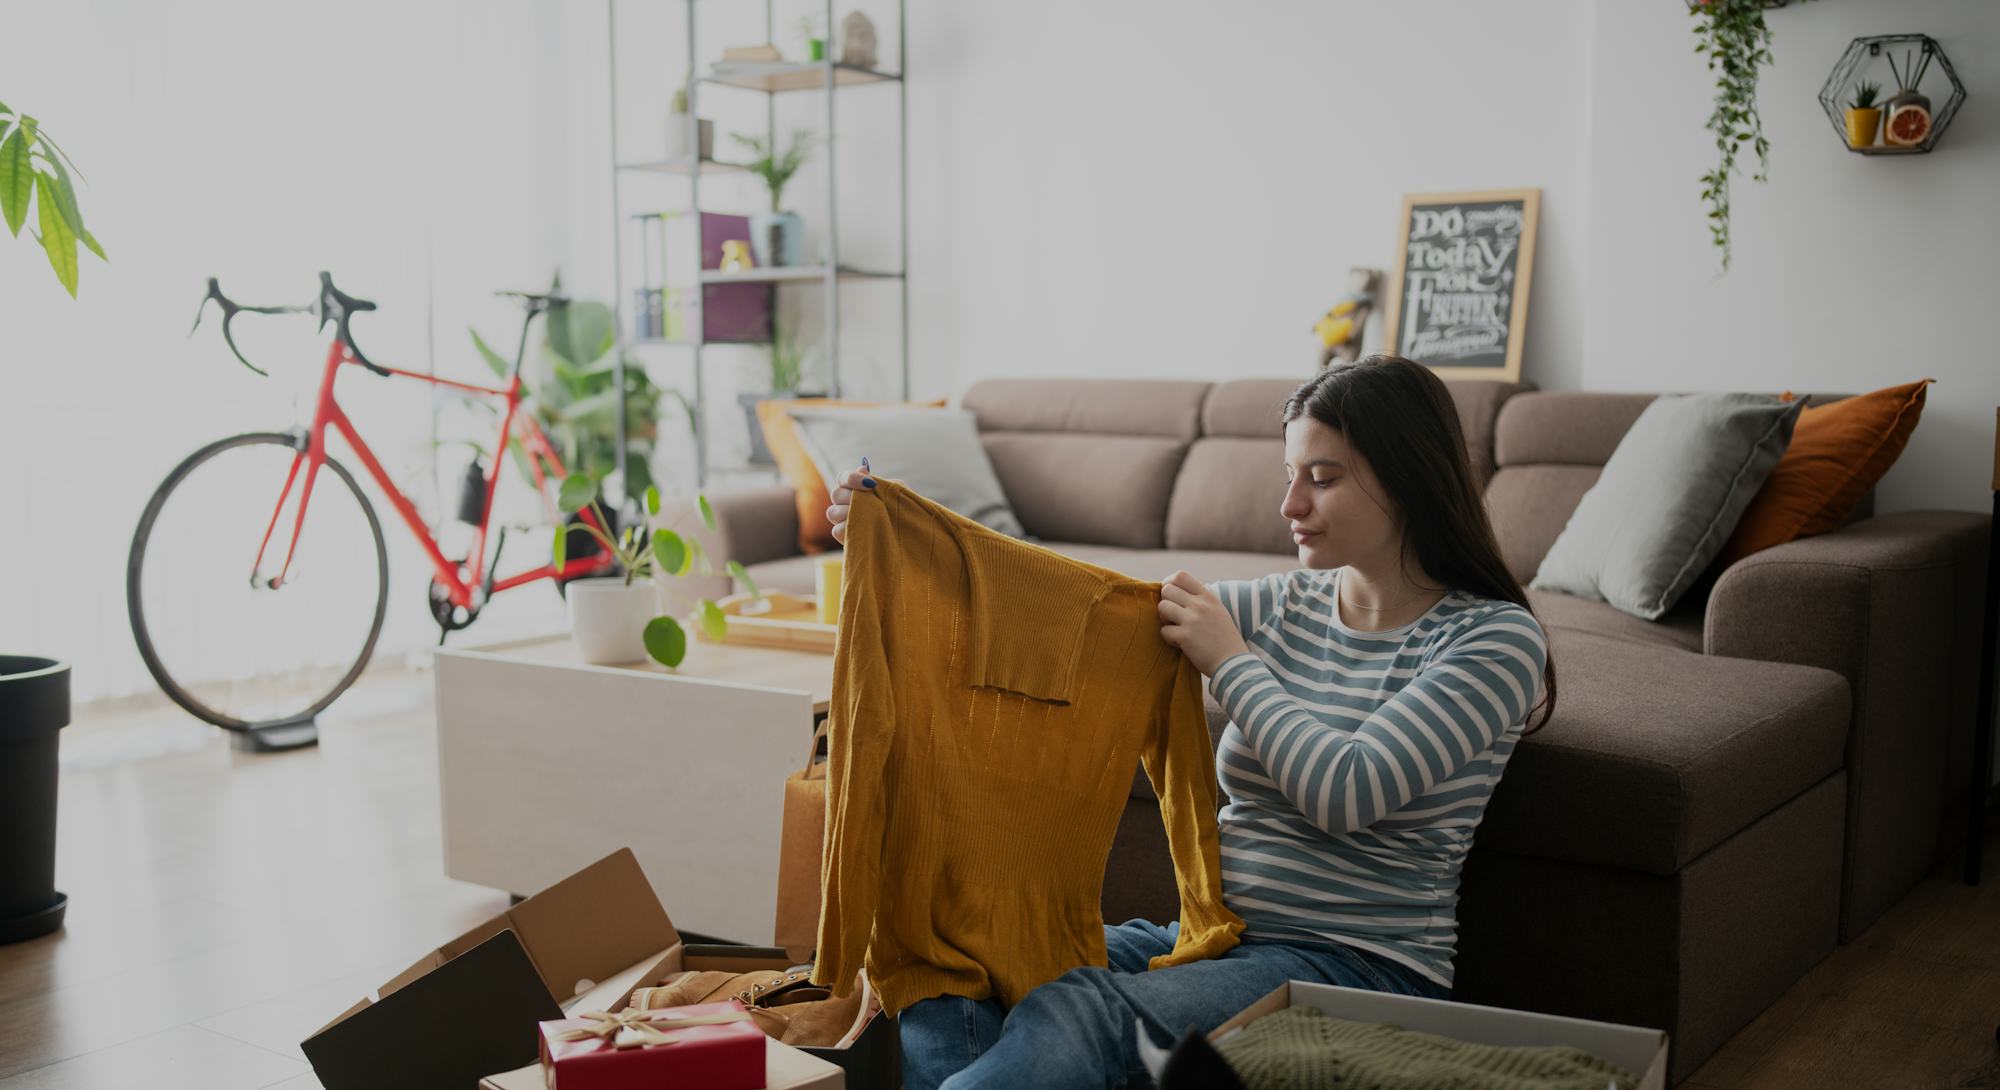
(804, 832)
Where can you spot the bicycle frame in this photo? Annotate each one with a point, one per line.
(467, 591)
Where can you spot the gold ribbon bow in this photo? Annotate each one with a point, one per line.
(640, 1029)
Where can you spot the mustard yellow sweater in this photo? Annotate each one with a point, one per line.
(990, 699)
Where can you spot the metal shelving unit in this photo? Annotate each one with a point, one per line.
(828, 77)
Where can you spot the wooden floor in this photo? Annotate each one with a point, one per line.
(223, 906)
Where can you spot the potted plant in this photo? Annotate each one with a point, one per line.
(34, 689)
(788, 360)
(1737, 42)
(776, 237)
(814, 40)
(34, 707)
(615, 619)
(1863, 116)
(677, 131)
(33, 169)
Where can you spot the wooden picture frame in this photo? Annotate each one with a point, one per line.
(1454, 333)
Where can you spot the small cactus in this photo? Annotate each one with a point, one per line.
(1866, 95)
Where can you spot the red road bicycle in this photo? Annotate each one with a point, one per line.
(255, 618)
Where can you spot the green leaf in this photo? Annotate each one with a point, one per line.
(57, 239)
(714, 624)
(670, 550)
(742, 575)
(652, 501)
(577, 490)
(696, 552)
(580, 332)
(666, 641)
(707, 512)
(560, 552)
(493, 359)
(65, 195)
(17, 181)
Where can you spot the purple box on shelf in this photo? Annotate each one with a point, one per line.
(732, 312)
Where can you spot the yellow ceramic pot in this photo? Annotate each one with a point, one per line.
(1861, 126)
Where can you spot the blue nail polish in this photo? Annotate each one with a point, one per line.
(867, 482)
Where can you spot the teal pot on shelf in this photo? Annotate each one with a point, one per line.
(34, 707)
(777, 238)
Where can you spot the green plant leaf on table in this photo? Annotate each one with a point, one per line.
(707, 511)
(666, 641)
(576, 491)
(652, 501)
(670, 550)
(64, 195)
(742, 575)
(714, 623)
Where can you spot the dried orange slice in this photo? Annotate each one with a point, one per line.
(1908, 125)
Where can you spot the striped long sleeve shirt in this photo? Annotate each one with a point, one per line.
(1357, 765)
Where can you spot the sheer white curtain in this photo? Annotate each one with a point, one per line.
(427, 154)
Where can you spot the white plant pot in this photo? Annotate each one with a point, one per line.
(677, 138)
(607, 619)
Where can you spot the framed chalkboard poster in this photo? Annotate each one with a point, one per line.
(1458, 300)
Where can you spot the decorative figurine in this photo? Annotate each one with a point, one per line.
(857, 40)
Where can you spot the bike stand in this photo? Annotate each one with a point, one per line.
(275, 737)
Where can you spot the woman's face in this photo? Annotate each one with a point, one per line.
(1330, 501)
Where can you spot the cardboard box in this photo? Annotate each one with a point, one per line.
(473, 1006)
(785, 1068)
(1640, 1051)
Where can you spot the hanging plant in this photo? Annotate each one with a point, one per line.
(1737, 42)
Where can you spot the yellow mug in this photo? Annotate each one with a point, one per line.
(826, 585)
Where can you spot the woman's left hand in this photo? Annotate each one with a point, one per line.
(1193, 619)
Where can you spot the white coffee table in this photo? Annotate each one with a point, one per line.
(546, 764)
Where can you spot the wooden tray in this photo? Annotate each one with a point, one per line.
(778, 620)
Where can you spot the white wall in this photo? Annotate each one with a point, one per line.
(417, 151)
(1134, 189)
(1850, 272)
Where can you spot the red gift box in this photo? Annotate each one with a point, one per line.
(706, 1046)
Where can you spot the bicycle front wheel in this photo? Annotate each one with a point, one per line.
(222, 642)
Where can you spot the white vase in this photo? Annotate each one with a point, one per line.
(607, 619)
(677, 138)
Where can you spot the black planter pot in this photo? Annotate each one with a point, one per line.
(34, 708)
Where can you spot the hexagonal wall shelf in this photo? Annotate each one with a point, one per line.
(1893, 60)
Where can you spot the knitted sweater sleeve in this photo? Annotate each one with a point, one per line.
(860, 731)
(1345, 777)
(1181, 767)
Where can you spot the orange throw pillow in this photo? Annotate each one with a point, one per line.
(1837, 454)
(782, 437)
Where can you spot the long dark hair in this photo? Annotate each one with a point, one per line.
(1400, 417)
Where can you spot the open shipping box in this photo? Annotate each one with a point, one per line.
(469, 1009)
(1643, 1052)
(784, 1069)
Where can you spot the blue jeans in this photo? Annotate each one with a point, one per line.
(1079, 1030)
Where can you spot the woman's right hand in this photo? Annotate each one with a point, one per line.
(843, 496)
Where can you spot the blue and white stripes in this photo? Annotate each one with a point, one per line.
(1357, 764)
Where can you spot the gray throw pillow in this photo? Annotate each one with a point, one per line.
(936, 452)
(1668, 499)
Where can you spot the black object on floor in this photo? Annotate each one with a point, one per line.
(34, 708)
(1194, 1064)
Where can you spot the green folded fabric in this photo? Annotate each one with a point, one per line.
(1300, 1047)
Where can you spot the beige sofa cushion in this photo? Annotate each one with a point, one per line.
(1656, 755)
(1088, 459)
(1227, 496)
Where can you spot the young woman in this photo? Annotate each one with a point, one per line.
(1374, 697)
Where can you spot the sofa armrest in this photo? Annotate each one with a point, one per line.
(1891, 604)
(756, 524)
